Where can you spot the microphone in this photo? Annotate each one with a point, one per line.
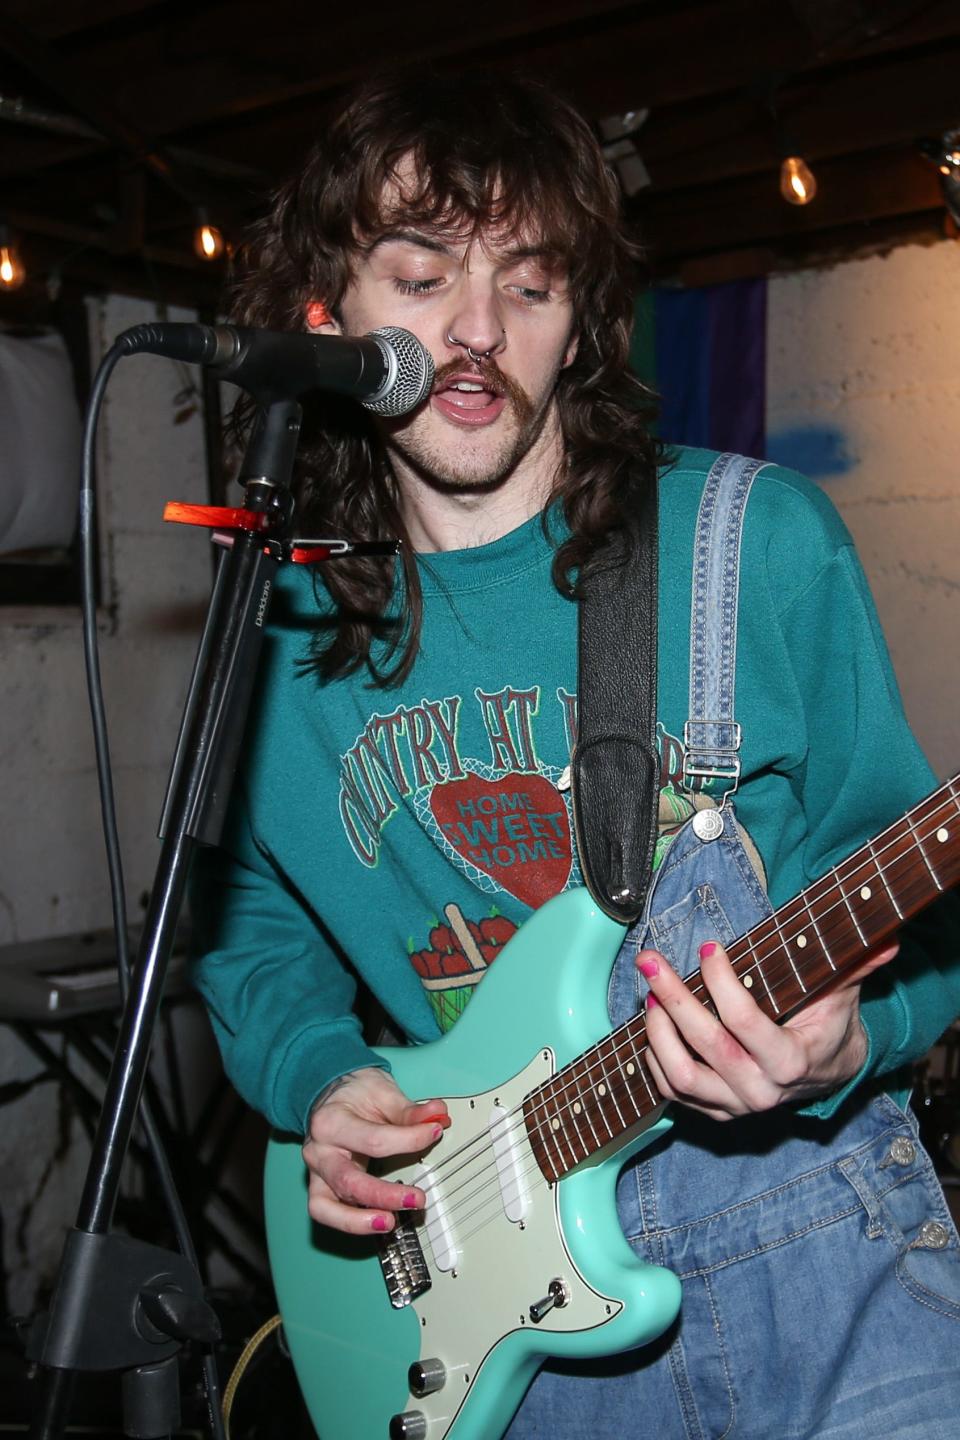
(388, 371)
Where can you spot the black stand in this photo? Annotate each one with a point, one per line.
(120, 1304)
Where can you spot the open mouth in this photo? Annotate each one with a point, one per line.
(469, 399)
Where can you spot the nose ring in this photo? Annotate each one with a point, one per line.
(477, 356)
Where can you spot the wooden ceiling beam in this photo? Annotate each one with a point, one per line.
(852, 190)
(887, 103)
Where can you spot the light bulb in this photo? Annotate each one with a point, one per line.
(797, 183)
(12, 272)
(208, 241)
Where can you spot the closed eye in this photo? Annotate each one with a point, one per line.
(529, 296)
(415, 287)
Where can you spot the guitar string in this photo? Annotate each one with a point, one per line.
(776, 935)
(785, 969)
(638, 1050)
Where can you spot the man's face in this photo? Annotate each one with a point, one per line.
(486, 420)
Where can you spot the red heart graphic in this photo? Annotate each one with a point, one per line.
(515, 829)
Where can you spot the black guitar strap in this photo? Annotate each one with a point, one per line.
(615, 770)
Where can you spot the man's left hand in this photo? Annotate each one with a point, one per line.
(740, 1060)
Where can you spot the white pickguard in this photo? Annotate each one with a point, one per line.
(499, 1261)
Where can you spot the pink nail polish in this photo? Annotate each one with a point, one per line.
(438, 1132)
(652, 1001)
(706, 950)
(378, 1223)
(649, 968)
(410, 1201)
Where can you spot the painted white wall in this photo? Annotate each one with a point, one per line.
(52, 865)
(863, 393)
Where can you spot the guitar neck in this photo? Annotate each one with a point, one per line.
(784, 961)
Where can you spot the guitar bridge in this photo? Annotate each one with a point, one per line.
(404, 1265)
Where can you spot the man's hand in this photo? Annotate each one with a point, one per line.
(739, 1060)
(365, 1116)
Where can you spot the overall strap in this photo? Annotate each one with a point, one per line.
(615, 770)
(711, 735)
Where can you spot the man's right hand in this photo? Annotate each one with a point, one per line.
(362, 1117)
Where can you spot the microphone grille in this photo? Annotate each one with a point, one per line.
(409, 372)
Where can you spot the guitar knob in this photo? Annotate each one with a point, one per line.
(411, 1425)
(426, 1376)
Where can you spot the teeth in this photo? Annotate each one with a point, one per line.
(466, 385)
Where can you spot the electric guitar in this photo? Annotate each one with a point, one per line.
(436, 1330)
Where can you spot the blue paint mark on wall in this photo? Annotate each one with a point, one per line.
(814, 450)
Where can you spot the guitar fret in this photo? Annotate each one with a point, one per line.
(612, 1092)
(851, 912)
(654, 1098)
(760, 971)
(819, 934)
(576, 1110)
(801, 940)
(883, 878)
(553, 1135)
(923, 854)
(625, 1078)
(599, 1091)
(782, 945)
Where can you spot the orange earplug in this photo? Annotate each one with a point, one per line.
(317, 314)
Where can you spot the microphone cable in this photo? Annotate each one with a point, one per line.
(91, 653)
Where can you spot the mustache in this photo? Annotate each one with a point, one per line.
(488, 374)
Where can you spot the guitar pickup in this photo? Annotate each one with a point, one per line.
(505, 1134)
(404, 1265)
(436, 1220)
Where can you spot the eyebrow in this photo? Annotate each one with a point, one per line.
(429, 242)
(411, 237)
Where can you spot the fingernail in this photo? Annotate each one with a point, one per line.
(649, 968)
(652, 1001)
(706, 950)
(378, 1223)
(438, 1132)
(442, 1120)
(410, 1201)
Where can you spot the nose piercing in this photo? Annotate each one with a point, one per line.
(475, 356)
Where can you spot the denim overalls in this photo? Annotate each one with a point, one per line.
(820, 1267)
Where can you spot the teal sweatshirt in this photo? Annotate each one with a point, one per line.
(404, 834)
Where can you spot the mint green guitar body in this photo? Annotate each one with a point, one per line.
(497, 1249)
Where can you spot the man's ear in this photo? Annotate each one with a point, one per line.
(570, 354)
(319, 320)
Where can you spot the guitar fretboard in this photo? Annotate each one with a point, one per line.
(785, 961)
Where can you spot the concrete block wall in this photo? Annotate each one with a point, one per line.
(863, 395)
(52, 864)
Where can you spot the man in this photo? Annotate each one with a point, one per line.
(403, 807)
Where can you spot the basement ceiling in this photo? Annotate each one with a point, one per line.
(119, 117)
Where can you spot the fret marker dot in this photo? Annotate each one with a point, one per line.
(801, 941)
(942, 835)
(631, 1068)
(748, 982)
(865, 893)
(555, 1124)
(601, 1089)
(577, 1107)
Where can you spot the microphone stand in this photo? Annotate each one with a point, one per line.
(119, 1303)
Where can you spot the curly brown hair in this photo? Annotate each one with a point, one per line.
(488, 150)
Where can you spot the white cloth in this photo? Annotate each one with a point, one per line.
(39, 444)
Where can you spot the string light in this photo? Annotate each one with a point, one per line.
(798, 184)
(944, 152)
(12, 270)
(208, 241)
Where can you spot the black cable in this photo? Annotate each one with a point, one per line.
(91, 653)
